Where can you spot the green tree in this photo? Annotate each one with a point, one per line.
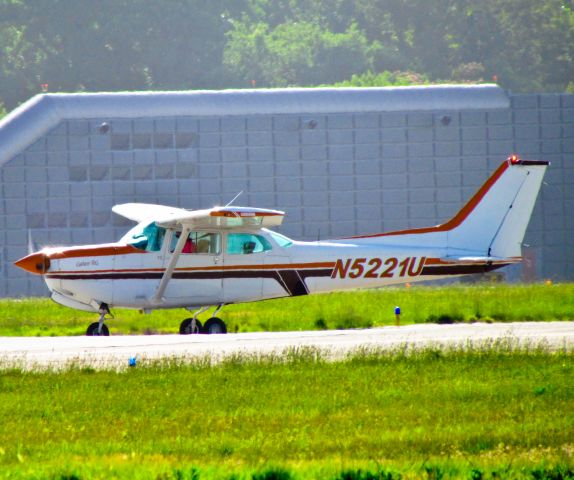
(385, 79)
(295, 53)
(71, 45)
(527, 44)
(112, 45)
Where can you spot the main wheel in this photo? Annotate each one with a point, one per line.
(214, 325)
(92, 330)
(185, 327)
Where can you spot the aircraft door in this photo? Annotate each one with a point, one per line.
(135, 269)
(197, 278)
(244, 267)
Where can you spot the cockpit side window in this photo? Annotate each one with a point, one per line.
(198, 242)
(150, 238)
(246, 243)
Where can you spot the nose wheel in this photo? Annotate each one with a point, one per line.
(95, 331)
(99, 328)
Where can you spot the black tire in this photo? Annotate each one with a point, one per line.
(214, 326)
(185, 327)
(92, 330)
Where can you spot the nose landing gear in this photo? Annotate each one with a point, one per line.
(99, 328)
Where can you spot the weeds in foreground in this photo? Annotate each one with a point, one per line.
(498, 411)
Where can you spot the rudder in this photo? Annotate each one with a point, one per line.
(494, 221)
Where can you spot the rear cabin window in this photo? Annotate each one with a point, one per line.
(198, 242)
(150, 238)
(246, 243)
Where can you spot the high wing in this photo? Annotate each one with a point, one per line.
(212, 218)
(142, 212)
(223, 218)
(220, 218)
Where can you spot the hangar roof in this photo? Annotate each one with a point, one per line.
(43, 112)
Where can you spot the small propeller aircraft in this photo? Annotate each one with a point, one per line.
(199, 259)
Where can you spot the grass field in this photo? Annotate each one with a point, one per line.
(419, 304)
(496, 412)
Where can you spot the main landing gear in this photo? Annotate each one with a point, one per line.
(213, 326)
(189, 326)
(99, 328)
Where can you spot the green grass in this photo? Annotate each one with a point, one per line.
(358, 309)
(493, 412)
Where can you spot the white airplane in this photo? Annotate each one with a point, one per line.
(198, 259)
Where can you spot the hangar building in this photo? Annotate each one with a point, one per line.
(339, 162)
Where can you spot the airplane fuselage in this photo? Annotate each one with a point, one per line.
(89, 275)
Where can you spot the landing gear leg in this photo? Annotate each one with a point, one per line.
(192, 325)
(99, 328)
(217, 309)
(213, 325)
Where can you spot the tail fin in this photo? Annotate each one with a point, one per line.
(494, 221)
(491, 224)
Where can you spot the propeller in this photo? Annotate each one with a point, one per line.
(34, 262)
(31, 245)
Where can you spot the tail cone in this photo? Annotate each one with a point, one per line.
(38, 263)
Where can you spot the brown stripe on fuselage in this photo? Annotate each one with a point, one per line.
(228, 270)
(271, 266)
(95, 251)
(465, 269)
(440, 261)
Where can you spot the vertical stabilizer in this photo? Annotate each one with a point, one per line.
(491, 224)
(494, 221)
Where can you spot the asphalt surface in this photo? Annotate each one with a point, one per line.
(116, 351)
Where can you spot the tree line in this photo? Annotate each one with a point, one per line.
(119, 45)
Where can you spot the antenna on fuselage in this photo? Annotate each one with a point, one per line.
(234, 198)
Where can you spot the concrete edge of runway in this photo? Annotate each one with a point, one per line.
(115, 352)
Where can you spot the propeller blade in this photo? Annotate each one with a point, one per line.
(31, 244)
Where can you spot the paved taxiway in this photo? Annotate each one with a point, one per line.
(115, 351)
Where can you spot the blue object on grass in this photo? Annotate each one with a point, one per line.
(132, 361)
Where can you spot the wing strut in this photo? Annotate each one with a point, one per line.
(157, 297)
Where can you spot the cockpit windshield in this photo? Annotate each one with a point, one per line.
(280, 240)
(149, 237)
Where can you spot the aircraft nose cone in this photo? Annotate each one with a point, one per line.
(38, 263)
